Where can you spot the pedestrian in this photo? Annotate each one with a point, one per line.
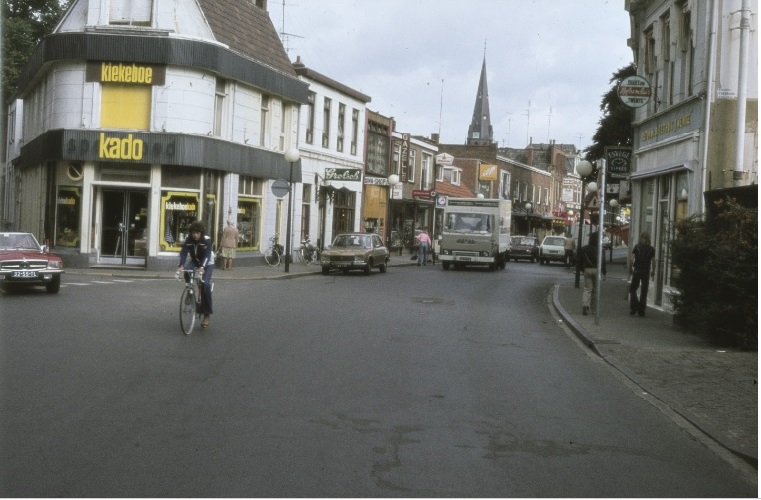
(424, 246)
(570, 246)
(197, 254)
(229, 243)
(641, 269)
(586, 261)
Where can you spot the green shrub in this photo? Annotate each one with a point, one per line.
(716, 273)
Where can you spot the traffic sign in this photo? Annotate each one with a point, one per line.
(280, 188)
(592, 202)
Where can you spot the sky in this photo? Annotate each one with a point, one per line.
(548, 62)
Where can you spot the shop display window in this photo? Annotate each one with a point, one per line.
(178, 210)
(69, 207)
(248, 221)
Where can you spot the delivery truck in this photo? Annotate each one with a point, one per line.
(476, 232)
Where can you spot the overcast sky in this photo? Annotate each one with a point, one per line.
(548, 62)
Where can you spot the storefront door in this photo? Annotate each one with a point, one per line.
(123, 238)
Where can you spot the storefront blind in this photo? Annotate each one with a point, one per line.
(125, 106)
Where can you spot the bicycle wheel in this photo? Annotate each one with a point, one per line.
(187, 311)
(304, 256)
(272, 257)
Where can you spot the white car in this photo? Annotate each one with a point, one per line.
(552, 249)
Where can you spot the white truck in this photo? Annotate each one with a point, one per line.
(476, 232)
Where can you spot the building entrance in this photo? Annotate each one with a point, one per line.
(123, 231)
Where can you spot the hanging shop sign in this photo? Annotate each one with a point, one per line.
(619, 161)
(634, 91)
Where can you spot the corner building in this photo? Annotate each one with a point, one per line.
(136, 117)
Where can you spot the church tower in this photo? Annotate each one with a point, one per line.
(480, 131)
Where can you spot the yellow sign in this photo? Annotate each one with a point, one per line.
(114, 148)
(487, 172)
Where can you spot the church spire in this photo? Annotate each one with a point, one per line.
(480, 130)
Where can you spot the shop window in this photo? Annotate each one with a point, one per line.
(69, 207)
(248, 222)
(343, 211)
(178, 210)
(125, 106)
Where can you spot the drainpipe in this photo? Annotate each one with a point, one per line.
(742, 95)
(709, 98)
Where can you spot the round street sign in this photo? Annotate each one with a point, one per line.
(634, 91)
(280, 188)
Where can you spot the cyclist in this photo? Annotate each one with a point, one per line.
(196, 250)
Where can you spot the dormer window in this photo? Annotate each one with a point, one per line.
(130, 12)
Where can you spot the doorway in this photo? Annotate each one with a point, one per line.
(123, 231)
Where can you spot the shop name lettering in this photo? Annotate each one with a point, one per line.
(125, 73)
(121, 148)
(665, 128)
(342, 174)
(173, 205)
(67, 201)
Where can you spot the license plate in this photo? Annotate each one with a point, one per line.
(464, 258)
(24, 274)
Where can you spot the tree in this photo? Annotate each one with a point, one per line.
(616, 123)
(25, 23)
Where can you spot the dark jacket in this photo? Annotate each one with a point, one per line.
(588, 258)
(200, 251)
(643, 257)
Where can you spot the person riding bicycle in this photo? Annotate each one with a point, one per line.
(197, 247)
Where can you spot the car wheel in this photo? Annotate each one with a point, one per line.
(369, 267)
(54, 285)
(325, 270)
(533, 259)
(382, 268)
(445, 266)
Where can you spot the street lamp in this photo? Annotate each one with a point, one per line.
(393, 180)
(584, 168)
(528, 207)
(291, 156)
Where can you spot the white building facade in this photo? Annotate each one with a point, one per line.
(698, 133)
(135, 118)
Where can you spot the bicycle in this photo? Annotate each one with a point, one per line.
(190, 300)
(308, 253)
(274, 253)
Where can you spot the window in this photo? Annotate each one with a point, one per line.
(439, 173)
(264, 121)
(326, 122)
(341, 123)
(377, 151)
(688, 52)
(306, 204)
(354, 130)
(411, 168)
(310, 118)
(452, 175)
(219, 107)
(12, 126)
(504, 185)
(425, 172)
(283, 125)
(650, 58)
(130, 12)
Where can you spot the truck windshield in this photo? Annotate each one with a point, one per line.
(469, 223)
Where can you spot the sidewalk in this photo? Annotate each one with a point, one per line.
(714, 389)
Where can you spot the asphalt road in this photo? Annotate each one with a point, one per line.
(413, 383)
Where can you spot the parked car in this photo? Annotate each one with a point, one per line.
(24, 262)
(355, 251)
(552, 249)
(524, 247)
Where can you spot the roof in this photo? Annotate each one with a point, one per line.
(311, 74)
(248, 30)
(455, 191)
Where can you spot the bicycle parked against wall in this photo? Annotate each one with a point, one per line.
(274, 253)
(308, 253)
(190, 301)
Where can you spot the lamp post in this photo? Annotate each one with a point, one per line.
(291, 156)
(584, 168)
(393, 180)
(528, 207)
